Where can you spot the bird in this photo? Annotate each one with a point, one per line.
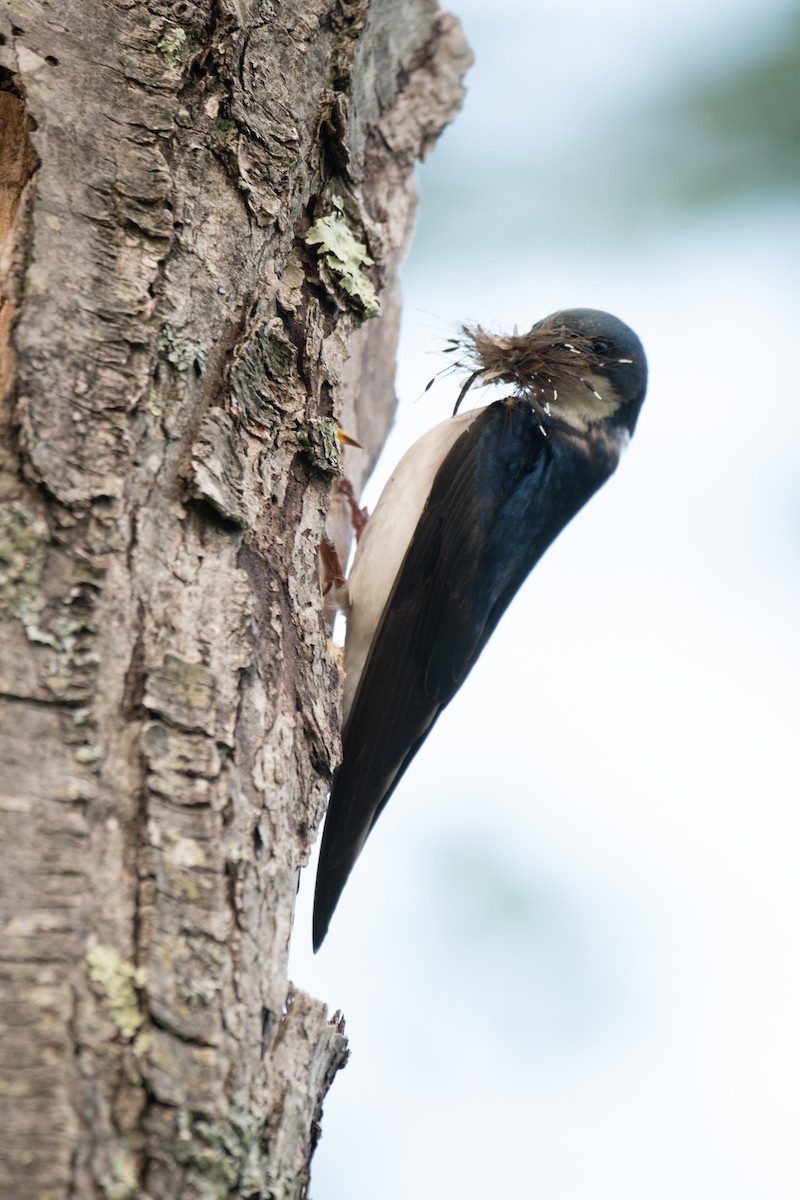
(464, 518)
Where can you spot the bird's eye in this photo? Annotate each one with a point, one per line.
(600, 347)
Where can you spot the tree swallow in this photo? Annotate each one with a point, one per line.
(467, 514)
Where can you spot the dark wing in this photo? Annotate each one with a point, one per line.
(500, 497)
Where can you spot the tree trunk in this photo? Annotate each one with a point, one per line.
(190, 197)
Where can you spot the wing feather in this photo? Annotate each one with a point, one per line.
(496, 503)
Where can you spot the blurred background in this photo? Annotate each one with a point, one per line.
(568, 958)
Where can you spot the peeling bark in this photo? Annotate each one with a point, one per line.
(175, 356)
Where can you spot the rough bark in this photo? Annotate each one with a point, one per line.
(174, 342)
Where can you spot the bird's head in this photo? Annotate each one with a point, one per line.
(579, 367)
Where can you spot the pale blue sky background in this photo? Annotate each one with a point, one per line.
(568, 957)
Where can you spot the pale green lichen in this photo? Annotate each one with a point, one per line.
(88, 754)
(74, 662)
(152, 402)
(344, 256)
(180, 352)
(120, 981)
(121, 1181)
(213, 954)
(24, 542)
(143, 1044)
(171, 46)
(228, 1155)
(23, 550)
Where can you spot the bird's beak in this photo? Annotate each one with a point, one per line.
(346, 440)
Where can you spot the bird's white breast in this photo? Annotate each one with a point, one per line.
(385, 540)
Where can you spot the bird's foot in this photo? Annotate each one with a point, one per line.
(358, 516)
(332, 575)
